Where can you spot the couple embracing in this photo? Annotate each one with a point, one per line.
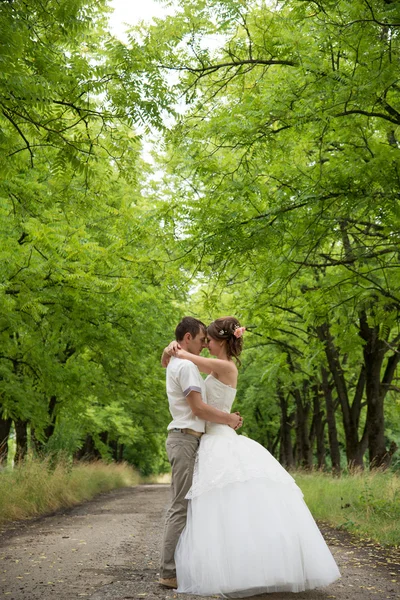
(238, 525)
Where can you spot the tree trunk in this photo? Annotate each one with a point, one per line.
(5, 426)
(36, 444)
(374, 353)
(303, 447)
(330, 418)
(121, 453)
(21, 431)
(373, 358)
(354, 448)
(319, 428)
(113, 445)
(39, 445)
(302, 439)
(286, 447)
(263, 436)
(104, 437)
(49, 430)
(88, 450)
(275, 442)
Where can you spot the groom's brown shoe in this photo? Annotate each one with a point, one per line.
(169, 583)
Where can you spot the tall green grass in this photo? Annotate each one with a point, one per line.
(367, 504)
(39, 486)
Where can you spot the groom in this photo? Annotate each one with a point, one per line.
(189, 411)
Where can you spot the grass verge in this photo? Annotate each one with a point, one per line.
(37, 487)
(367, 504)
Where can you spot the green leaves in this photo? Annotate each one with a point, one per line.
(86, 306)
(274, 197)
(282, 175)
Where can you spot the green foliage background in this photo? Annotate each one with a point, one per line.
(274, 196)
(86, 302)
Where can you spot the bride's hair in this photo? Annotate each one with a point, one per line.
(223, 329)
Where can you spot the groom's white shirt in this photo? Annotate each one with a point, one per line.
(184, 377)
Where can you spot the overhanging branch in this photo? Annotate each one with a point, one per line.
(236, 63)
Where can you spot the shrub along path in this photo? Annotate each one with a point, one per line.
(108, 549)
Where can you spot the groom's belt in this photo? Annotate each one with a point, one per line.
(186, 430)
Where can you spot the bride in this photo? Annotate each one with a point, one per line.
(248, 528)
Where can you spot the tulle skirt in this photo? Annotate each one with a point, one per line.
(248, 528)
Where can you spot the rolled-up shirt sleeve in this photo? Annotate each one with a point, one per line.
(189, 378)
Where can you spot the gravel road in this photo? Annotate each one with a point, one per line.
(109, 549)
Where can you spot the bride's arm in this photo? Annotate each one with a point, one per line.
(165, 358)
(208, 365)
(205, 365)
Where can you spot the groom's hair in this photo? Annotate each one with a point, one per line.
(188, 325)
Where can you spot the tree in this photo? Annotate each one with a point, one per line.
(85, 299)
(283, 170)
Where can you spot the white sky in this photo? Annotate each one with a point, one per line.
(133, 11)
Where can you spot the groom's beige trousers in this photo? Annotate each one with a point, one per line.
(181, 451)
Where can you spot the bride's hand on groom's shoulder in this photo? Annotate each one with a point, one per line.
(173, 348)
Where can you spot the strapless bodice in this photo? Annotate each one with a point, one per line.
(221, 396)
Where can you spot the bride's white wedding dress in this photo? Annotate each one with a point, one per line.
(248, 528)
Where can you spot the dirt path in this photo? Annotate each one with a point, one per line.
(108, 549)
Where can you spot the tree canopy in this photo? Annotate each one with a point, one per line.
(85, 305)
(274, 195)
(283, 177)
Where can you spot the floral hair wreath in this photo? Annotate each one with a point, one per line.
(237, 332)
